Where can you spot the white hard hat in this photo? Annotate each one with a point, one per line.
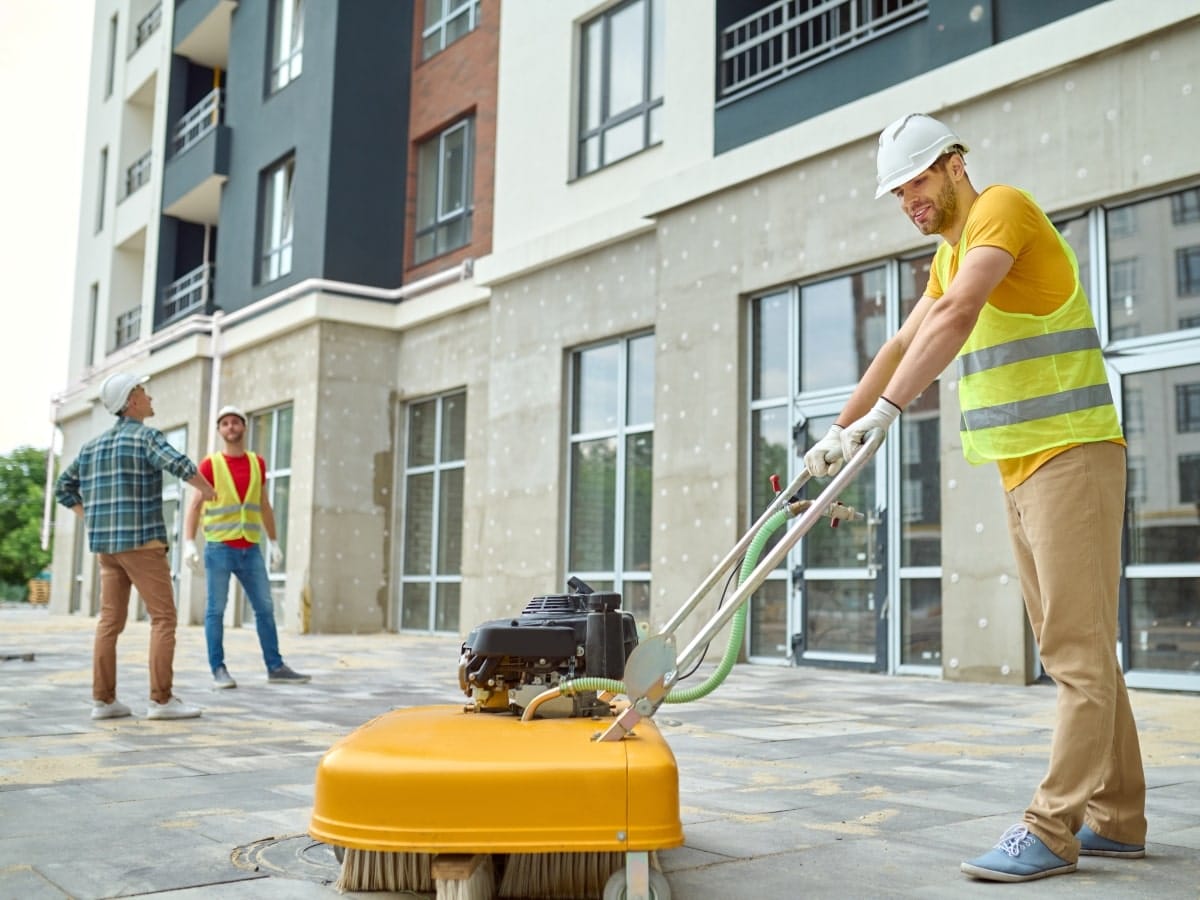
(230, 411)
(115, 391)
(908, 147)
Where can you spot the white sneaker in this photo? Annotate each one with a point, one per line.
(172, 709)
(114, 710)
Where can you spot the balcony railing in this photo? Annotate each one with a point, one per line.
(792, 35)
(137, 174)
(146, 26)
(129, 327)
(189, 293)
(198, 121)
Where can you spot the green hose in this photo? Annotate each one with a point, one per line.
(732, 648)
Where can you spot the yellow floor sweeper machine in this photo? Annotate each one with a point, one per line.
(552, 781)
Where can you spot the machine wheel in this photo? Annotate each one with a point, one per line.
(614, 889)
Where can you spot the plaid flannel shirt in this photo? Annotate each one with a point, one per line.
(118, 479)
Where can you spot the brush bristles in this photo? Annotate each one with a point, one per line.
(558, 876)
(374, 870)
(454, 884)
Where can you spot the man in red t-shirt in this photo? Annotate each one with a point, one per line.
(234, 524)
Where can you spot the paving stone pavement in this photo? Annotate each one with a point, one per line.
(794, 782)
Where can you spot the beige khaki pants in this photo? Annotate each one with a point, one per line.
(1065, 522)
(145, 568)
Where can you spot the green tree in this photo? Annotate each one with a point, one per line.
(22, 497)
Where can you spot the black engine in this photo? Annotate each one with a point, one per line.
(505, 663)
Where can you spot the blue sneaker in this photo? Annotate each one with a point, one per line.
(1092, 844)
(1020, 856)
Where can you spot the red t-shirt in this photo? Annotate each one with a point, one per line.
(239, 468)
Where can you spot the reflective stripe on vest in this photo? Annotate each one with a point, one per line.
(227, 518)
(1028, 383)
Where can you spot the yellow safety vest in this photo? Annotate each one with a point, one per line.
(227, 518)
(1029, 383)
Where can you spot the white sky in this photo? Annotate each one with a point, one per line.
(45, 53)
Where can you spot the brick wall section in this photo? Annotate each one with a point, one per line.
(458, 81)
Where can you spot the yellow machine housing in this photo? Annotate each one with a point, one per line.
(438, 779)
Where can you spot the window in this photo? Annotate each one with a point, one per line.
(444, 192)
(433, 513)
(611, 452)
(1187, 407)
(271, 438)
(1122, 222)
(101, 188)
(621, 83)
(1187, 271)
(1185, 206)
(277, 183)
(287, 42)
(1135, 411)
(445, 22)
(1122, 289)
(110, 71)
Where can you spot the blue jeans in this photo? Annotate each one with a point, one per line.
(247, 563)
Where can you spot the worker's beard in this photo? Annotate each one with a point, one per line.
(945, 209)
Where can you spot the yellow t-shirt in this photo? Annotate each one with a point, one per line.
(1039, 282)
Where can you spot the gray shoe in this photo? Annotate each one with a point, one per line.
(114, 710)
(284, 675)
(1092, 844)
(222, 678)
(174, 708)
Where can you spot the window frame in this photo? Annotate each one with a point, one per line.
(441, 218)
(622, 576)
(277, 217)
(451, 10)
(434, 580)
(285, 60)
(646, 109)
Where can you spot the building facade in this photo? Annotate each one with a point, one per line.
(507, 310)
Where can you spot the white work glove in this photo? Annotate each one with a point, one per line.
(274, 554)
(191, 557)
(825, 456)
(882, 415)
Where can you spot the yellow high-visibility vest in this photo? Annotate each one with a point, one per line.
(1028, 383)
(227, 518)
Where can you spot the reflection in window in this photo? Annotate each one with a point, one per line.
(287, 42)
(1162, 514)
(433, 513)
(1187, 407)
(1185, 206)
(621, 83)
(611, 453)
(1187, 271)
(1122, 222)
(843, 324)
(1165, 624)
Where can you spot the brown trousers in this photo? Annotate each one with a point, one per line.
(1065, 522)
(147, 569)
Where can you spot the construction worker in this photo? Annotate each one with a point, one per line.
(1005, 298)
(115, 486)
(233, 530)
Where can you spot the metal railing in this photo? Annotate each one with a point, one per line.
(792, 35)
(198, 121)
(147, 25)
(129, 327)
(188, 294)
(137, 174)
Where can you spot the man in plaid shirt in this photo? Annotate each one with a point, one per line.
(115, 486)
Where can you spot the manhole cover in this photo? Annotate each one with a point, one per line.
(292, 856)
